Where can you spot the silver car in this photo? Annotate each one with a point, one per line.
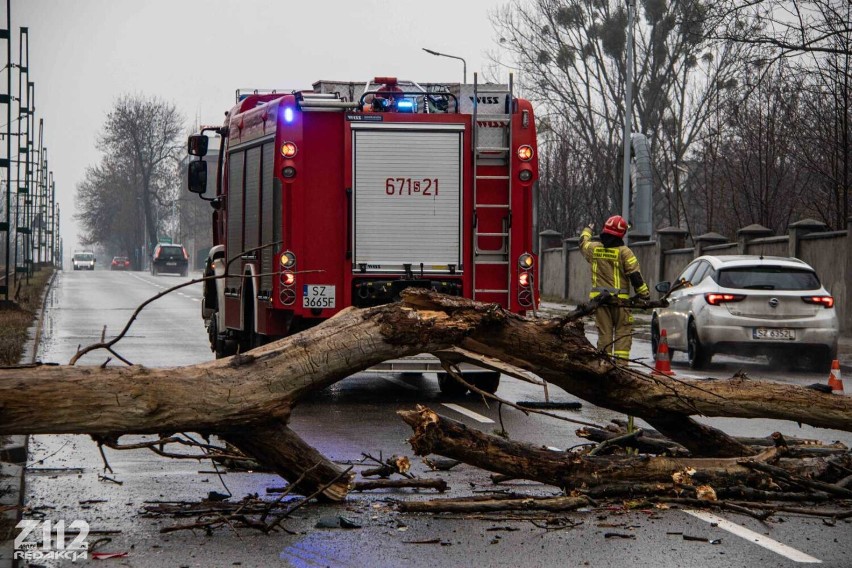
(749, 305)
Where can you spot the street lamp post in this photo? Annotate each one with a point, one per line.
(628, 112)
(464, 63)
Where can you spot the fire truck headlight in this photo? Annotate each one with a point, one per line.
(525, 261)
(289, 149)
(524, 279)
(288, 259)
(288, 114)
(525, 175)
(525, 153)
(288, 172)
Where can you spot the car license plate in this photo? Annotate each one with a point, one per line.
(171, 264)
(318, 296)
(782, 333)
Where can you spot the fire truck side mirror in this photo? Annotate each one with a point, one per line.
(198, 176)
(197, 145)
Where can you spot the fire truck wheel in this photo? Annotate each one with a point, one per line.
(221, 347)
(488, 381)
(449, 386)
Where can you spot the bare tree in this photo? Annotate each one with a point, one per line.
(787, 28)
(573, 57)
(107, 207)
(146, 132)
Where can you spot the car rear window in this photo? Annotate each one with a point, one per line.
(171, 252)
(767, 278)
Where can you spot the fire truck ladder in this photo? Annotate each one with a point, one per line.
(492, 196)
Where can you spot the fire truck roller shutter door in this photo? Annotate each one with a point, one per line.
(252, 211)
(236, 163)
(269, 220)
(407, 197)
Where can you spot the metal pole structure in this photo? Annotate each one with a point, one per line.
(61, 250)
(7, 225)
(36, 199)
(28, 200)
(23, 148)
(42, 210)
(628, 112)
(464, 63)
(52, 221)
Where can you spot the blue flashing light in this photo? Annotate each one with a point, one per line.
(405, 105)
(288, 114)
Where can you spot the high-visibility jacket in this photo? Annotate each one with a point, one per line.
(613, 268)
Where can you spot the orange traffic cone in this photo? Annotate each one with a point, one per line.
(834, 379)
(663, 364)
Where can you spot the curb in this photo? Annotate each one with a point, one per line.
(13, 455)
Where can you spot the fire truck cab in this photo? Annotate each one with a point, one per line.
(347, 193)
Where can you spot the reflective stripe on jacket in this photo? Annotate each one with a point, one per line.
(611, 267)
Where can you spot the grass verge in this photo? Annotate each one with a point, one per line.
(17, 317)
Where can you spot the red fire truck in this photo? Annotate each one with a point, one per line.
(345, 194)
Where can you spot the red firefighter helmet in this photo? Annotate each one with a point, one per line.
(615, 225)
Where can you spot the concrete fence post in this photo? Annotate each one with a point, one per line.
(546, 239)
(707, 240)
(750, 233)
(668, 238)
(798, 230)
(567, 245)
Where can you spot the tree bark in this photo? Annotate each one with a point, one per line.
(247, 399)
(434, 434)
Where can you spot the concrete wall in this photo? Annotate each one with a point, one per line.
(566, 274)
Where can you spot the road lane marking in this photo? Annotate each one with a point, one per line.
(756, 538)
(468, 413)
(400, 383)
(196, 300)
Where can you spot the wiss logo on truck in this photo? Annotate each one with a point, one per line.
(360, 191)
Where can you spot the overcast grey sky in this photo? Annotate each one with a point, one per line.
(85, 53)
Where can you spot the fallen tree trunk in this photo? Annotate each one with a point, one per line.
(492, 505)
(434, 434)
(247, 399)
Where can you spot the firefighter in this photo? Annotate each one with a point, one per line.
(613, 264)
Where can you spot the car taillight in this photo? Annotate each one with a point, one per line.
(715, 299)
(824, 301)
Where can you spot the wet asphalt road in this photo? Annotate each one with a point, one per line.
(355, 416)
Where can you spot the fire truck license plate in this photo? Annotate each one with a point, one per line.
(318, 296)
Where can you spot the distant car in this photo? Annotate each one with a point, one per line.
(170, 258)
(120, 263)
(83, 261)
(749, 305)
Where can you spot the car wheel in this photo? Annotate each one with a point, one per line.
(449, 386)
(488, 381)
(699, 356)
(818, 360)
(655, 336)
(781, 361)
